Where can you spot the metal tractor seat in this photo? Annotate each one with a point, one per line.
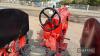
(91, 37)
(14, 23)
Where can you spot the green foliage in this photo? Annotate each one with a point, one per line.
(74, 1)
(65, 1)
(94, 2)
(44, 0)
(90, 2)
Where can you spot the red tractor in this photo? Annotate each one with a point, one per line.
(14, 27)
(54, 29)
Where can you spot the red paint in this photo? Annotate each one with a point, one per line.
(12, 46)
(55, 38)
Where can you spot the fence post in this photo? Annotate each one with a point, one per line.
(42, 4)
(87, 7)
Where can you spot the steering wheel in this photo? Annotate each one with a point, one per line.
(50, 19)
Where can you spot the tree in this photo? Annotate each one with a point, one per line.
(76, 1)
(91, 2)
(94, 2)
(66, 2)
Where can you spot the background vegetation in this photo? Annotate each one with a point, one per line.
(89, 2)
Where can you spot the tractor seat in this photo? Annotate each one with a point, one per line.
(13, 22)
(91, 36)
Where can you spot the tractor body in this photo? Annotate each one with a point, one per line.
(54, 39)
